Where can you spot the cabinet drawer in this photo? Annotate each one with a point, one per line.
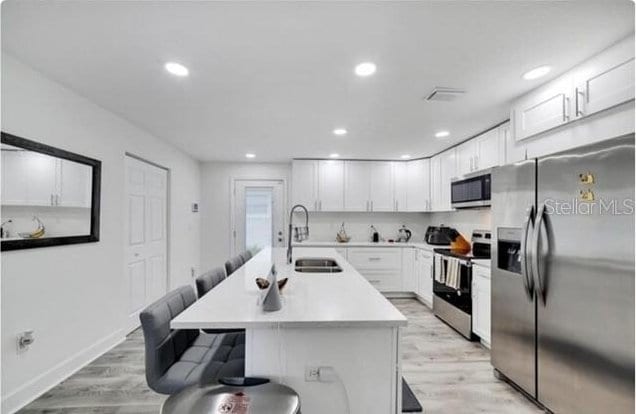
(374, 258)
(384, 281)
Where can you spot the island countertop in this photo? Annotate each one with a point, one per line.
(309, 300)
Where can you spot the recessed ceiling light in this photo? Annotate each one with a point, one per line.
(365, 69)
(334, 155)
(405, 156)
(176, 69)
(442, 134)
(340, 131)
(536, 72)
(250, 155)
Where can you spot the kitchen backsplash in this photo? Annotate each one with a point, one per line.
(324, 226)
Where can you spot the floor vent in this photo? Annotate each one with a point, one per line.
(440, 93)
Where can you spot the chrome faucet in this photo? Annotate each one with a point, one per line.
(300, 234)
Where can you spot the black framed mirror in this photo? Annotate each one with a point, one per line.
(50, 197)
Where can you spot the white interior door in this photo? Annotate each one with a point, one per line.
(146, 235)
(259, 215)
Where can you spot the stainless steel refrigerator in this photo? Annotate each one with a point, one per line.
(563, 278)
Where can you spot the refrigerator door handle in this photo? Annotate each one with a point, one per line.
(526, 258)
(540, 281)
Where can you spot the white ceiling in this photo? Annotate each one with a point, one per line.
(274, 78)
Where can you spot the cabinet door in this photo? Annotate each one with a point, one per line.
(305, 183)
(75, 182)
(381, 186)
(14, 177)
(401, 185)
(447, 172)
(466, 158)
(42, 174)
(330, 185)
(436, 183)
(418, 185)
(605, 80)
(514, 150)
(487, 150)
(543, 109)
(426, 264)
(481, 303)
(409, 278)
(357, 182)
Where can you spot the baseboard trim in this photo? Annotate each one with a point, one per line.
(398, 295)
(49, 379)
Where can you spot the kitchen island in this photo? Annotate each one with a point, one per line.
(334, 321)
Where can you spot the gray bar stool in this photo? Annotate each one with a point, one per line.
(234, 395)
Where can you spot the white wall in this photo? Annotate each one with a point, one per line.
(216, 180)
(74, 297)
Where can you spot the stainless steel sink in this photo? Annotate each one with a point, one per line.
(316, 265)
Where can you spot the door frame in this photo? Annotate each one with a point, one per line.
(131, 327)
(233, 204)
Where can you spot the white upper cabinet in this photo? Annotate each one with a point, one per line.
(357, 183)
(436, 182)
(74, 184)
(606, 80)
(514, 150)
(488, 150)
(305, 183)
(447, 173)
(381, 193)
(443, 170)
(542, 109)
(601, 82)
(482, 152)
(465, 157)
(418, 184)
(34, 179)
(401, 187)
(369, 186)
(330, 185)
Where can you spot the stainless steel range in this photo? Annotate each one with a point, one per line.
(452, 283)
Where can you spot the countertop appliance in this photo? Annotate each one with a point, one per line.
(404, 235)
(472, 190)
(563, 278)
(452, 299)
(440, 235)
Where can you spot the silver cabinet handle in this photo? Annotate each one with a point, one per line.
(374, 259)
(528, 283)
(578, 112)
(536, 266)
(396, 205)
(320, 205)
(566, 109)
(476, 162)
(371, 205)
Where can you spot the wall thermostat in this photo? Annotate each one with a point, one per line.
(195, 207)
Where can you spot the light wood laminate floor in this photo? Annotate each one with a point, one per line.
(447, 373)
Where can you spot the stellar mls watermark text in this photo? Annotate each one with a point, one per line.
(601, 206)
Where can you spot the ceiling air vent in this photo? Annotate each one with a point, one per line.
(441, 93)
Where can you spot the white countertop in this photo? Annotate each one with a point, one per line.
(309, 299)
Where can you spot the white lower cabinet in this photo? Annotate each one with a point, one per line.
(424, 274)
(409, 276)
(481, 303)
(382, 267)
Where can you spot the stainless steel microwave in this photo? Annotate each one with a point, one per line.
(471, 190)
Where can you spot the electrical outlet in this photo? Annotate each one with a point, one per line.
(312, 373)
(25, 340)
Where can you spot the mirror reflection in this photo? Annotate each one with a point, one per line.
(43, 196)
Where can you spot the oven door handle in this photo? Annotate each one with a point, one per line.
(526, 257)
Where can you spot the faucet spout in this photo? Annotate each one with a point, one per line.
(300, 234)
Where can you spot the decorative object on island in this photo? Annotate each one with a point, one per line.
(37, 233)
(264, 283)
(271, 301)
(64, 190)
(375, 236)
(3, 231)
(404, 235)
(341, 236)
